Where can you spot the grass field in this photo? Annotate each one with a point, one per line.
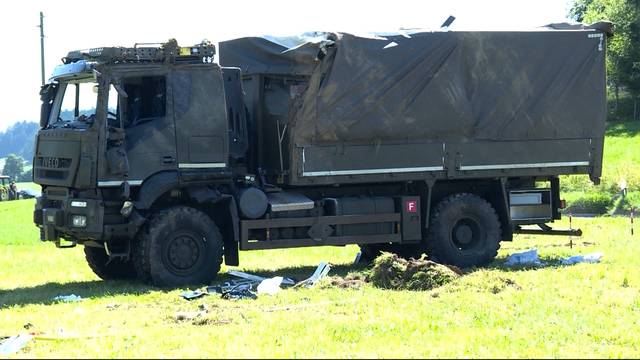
(621, 162)
(585, 310)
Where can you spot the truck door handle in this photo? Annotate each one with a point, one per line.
(168, 160)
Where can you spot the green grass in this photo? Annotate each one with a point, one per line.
(621, 162)
(585, 310)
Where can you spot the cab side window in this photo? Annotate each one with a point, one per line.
(146, 99)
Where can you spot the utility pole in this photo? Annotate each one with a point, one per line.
(42, 46)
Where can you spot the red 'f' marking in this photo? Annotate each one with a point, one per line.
(411, 206)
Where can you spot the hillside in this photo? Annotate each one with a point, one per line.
(19, 139)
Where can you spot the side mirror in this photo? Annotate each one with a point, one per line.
(47, 94)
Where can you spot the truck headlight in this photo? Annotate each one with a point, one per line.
(79, 220)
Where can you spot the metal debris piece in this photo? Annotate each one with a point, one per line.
(321, 271)
(190, 295)
(256, 278)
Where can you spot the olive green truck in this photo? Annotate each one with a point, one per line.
(164, 160)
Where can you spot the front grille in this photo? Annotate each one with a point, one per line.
(51, 174)
(56, 192)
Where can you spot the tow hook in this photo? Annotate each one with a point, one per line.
(60, 245)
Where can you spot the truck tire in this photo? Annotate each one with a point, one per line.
(179, 246)
(464, 231)
(98, 261)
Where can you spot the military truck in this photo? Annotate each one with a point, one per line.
(162, 162)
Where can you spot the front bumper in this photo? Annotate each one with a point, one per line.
(56, 219)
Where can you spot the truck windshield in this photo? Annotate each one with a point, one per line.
(75, 103)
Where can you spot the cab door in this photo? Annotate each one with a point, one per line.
(141, 131)
(200, 117)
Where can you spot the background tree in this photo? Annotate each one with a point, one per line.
(13, 167)
(623, 50)
(18, 139)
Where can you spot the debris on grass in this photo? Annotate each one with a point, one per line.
(353, 280)
(589, 258)
(68, 298)
(270, 286)
(13, 344)
(195, 294)
(529, 257)
(257, 279)
(239, 294)
(393, 272)
(321, 271)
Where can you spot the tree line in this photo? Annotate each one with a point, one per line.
(623, 50)
(19, 139)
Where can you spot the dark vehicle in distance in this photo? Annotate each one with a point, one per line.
(163, 163)
(28, 194)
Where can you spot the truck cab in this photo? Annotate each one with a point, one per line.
(115, 118)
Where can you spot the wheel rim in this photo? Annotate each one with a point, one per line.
(183, 252)
(468, 234)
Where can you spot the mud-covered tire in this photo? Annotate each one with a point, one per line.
(464, 231)
(98, 261)
(179, 246)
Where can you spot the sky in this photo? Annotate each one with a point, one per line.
(72, 25)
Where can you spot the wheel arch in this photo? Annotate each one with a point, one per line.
(221, 208)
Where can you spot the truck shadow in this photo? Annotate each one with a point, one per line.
(296, 273)
(44, 294)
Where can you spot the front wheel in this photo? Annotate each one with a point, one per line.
(107, 269)
(180, 246)
(464, 231)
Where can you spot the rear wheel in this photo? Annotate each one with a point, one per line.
(116, 269)
(464, 231)
(180, 246)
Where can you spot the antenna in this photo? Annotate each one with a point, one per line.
(42, 46)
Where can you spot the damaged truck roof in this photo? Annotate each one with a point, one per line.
(506, 96)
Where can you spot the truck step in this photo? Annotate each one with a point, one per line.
(285, 201)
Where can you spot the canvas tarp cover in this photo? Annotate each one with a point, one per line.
(457, 86)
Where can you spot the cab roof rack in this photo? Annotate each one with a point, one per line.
(143, 52)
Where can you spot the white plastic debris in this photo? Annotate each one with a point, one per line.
(270, 286)
(529, 257)
(68, 298)
(589, 258)
(14, 344)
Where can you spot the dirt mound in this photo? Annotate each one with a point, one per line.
(393, 272)
(351, 281)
